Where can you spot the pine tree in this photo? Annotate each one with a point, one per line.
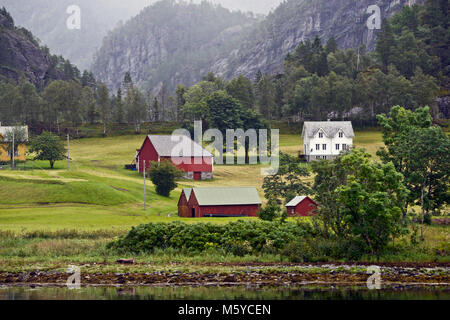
(105, 106)
(127, 82)
(385, 44)
(119, 112)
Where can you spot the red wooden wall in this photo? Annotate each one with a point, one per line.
(183, 207)
(148, 153)
(237, 210)
(305, 208)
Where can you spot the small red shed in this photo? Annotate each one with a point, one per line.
(184, 153)
(219, 202)
(301, 206)
(183, 203)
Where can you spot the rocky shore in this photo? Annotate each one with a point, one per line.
(255, 274)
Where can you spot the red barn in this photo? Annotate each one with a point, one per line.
(219, 202)
(184, 153)
(301, 206)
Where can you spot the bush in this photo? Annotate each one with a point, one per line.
(427, 219)
(315, 249)
(239, 238)
(270, 212)
(163, 175)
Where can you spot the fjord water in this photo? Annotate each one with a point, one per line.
(225, 293)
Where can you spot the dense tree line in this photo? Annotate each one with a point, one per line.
(408, 68)
(81, 100)
(320, 81)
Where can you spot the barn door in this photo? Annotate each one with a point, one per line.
(197, 176)
(193, 212)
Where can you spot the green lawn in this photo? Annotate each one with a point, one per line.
(98, 193)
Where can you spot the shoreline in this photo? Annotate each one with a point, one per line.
(263, 274)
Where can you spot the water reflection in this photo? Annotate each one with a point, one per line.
(225, 293)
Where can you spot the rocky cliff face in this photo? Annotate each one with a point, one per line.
(295, 21)
(20, 54)
(159, 52)
(171, 42)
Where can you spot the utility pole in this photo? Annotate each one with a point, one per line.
(12, 154)
(68, 153)
(145, 191)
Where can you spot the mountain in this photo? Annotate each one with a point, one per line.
(21, 56)
(172, 42)
(176, 42)
(47, 19)
(295, 21)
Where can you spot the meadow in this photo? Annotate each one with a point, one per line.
(98, 193)
(50, 217)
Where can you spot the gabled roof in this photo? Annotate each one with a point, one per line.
(168, 146)
(224, 196)
(4, 130)
(330, 128)
(187, 193)
(294, 202)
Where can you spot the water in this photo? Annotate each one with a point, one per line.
(225, 293)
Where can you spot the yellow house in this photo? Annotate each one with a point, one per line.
(20, 149)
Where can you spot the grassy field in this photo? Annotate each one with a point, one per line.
(49, 217)
(98, 193)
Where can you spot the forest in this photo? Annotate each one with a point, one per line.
(320, 81)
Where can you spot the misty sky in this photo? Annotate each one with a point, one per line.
(256, 6)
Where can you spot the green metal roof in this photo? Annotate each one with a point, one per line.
(224, 196)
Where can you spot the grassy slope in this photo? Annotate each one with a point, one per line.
(101, 199)
(99, 193)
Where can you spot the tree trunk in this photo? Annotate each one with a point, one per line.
(52, 163)
(247, 158)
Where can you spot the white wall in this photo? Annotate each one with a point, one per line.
(329, 141)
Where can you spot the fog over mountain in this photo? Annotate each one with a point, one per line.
(47, 19)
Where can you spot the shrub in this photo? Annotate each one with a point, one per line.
(163, 175)
(313, 249)
(270, 212)
(239, 238)
(427, 219)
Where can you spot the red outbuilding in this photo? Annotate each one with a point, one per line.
(182, 151)
(183, 203)
(219, 202)
(301, 206)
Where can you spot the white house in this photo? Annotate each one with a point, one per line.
(326, 139)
